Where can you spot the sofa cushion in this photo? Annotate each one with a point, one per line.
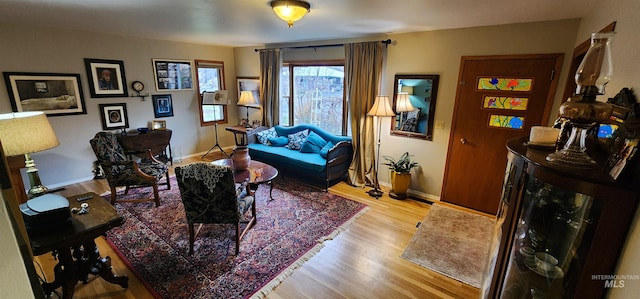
(325, 149)
(284, 157)
(278, 141)
(297, 139)
(263, 136)
(313, 143)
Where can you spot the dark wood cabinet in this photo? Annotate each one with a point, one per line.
(579, 217)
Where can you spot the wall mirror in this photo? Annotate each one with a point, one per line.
(414, 101)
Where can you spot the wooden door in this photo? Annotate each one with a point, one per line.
(498, 98)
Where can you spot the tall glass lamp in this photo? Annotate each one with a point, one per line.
(582, 110)
(23, 133)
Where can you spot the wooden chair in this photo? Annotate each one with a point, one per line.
(209, 195)
(121, 171)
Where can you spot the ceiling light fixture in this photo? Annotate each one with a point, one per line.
(290, 10)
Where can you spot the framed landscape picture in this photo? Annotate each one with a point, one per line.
(54, 94)
(114, 116)
(162, 105)
(173, 74)
(106, 78)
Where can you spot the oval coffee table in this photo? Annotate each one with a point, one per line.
(269, 173)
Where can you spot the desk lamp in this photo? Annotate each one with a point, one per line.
(381, 108)
(23, 133)
(247, 100)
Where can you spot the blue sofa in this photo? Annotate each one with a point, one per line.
(322, 167)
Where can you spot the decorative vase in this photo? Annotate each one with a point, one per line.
(240, 158)
(399, 185)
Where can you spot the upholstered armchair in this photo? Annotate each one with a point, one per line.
(121, 171)
(209, 195)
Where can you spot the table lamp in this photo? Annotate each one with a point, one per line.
(247, 100)
(381, 108)
(23, 133)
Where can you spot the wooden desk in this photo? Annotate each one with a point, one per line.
(156, 140)
(75, 248)
(269, 173)
(239, 131)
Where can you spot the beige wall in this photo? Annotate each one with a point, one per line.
(37, 49)
(439, 52)
(624, 51)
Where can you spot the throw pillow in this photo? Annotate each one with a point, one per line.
(263, 136)
(325, 149)
(278, 141)
(297, 139)
(313, 144)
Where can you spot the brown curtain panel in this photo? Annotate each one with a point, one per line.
(363, 68)
(270, 63)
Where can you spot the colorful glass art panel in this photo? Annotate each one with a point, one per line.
(506, 121)
(510, 103)
(606, 130)
(511, 84)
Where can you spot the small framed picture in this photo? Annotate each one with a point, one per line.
(159, 125)
(106, 78)
(162, 105)
(55, 94)
(173, 74)
(114, 116)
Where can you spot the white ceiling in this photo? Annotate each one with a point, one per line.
(252, 22)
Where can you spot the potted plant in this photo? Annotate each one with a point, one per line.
(400, 174)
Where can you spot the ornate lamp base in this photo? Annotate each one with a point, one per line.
(574, 152)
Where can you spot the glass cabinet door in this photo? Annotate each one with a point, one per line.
(553, 232)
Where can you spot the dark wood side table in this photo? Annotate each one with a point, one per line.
(239, 132)
(269, 173)
(156, 140)
(75, 248)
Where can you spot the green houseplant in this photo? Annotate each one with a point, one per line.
(400, 174)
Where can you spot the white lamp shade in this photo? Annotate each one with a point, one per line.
(26, 132)
(247, 99)
(403, 103)
(381, 107)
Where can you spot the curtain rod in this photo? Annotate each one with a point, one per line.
(386, 42)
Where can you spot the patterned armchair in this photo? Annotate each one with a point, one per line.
(121, 171)
(209, 195)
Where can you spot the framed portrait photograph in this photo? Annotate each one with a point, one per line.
(54, 94)
(249, 83)
(173, 74)
(106, 78)
(114, 116)
(158, 125)
(162, 105)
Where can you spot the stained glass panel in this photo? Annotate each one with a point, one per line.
(510, 103)
(511, 84)
(506, 121)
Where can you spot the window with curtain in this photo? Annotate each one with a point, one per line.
(210, 77)
(312, 92)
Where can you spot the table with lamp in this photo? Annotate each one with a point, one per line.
(50, 224)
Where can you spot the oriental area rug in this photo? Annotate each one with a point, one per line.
(290, 229)
(452, 242)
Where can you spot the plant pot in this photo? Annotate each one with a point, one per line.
(399, 185)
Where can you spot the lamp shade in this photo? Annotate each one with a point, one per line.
(290, 10)
(26, 132)
(403, 103)
(247, 99)
(381, 107)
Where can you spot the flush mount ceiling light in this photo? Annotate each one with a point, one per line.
(290, 10)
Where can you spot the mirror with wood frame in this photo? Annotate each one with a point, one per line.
(414, 102)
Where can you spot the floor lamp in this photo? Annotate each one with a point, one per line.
(216, 98)
(381, 108)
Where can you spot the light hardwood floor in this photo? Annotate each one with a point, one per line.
(361, 262)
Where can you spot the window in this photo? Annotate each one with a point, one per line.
(318, 95)
(210, 77)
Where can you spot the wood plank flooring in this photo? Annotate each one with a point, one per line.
(361, 262)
